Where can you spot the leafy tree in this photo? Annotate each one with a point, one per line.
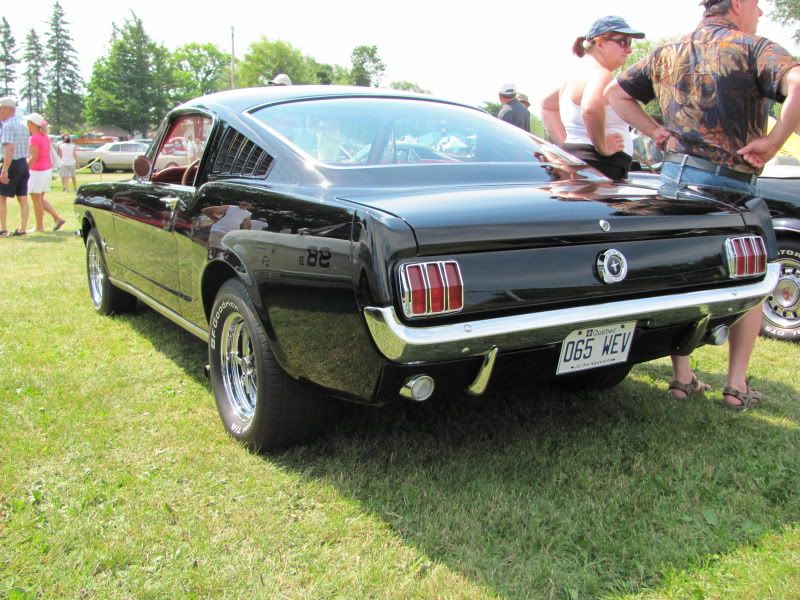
(788, 12)
(408, 86)
(537, 127)
(493, 108)
(132, 86)
(34, 91)
(265, 59)
(330, 74)
(8, 59)
(368, 68)
(200, 69)
(64, 101)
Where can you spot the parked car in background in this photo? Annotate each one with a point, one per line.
(311, 276)
(115, 156)
(779, 185)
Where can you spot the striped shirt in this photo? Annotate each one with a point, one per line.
(15, 133)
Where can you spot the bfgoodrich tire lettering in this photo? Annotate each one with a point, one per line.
(106, 298)
(782, 310)
(259, 404)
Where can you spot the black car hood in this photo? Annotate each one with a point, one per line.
(505, 216)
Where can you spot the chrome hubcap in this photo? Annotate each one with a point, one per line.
(238, 366)
(783, 307)
(96, 273)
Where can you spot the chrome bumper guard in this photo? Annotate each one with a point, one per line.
(416, 345)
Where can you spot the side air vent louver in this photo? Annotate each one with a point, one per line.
(239, 157)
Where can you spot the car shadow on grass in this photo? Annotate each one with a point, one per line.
(537, 492)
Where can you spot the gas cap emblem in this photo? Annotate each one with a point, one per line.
(612, 267)
(605, 225)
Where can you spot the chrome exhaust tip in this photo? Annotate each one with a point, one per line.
(418, 388)
(207, 371)
(719, 335)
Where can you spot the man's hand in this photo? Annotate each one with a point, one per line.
(3, 178)
(661, 136)
(759, 152)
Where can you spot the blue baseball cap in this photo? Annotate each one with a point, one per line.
(612, 24)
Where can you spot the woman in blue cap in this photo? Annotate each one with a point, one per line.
(578, 116)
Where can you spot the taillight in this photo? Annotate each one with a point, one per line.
(747, 256)
(431, 288)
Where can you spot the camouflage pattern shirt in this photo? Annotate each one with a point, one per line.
(713, 86)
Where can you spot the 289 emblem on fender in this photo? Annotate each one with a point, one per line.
(612, 267)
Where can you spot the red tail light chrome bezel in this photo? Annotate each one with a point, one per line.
(431, 288)
(747, 256)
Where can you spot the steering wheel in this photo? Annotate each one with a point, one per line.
(190, 172)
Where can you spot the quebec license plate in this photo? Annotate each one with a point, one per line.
(595, 347)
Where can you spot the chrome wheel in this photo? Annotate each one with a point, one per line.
(95, 271)
(782, 308)
(238, 367)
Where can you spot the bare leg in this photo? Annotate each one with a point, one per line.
(682, 372)
(23, 212)
(48, 208)
(64, 182)
(38, 211)
(74, 184)
(3, 214)
(741, 342)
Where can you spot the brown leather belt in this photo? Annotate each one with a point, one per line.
(706, 165)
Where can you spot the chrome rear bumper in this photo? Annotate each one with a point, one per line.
(414, 345)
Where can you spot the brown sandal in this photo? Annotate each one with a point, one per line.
(749, 399)
(695, 386)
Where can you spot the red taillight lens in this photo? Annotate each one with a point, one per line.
(417, 291)
(431, 288)
(747, 256)
(455, 289)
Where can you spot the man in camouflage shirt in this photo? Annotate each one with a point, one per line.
(713, 86)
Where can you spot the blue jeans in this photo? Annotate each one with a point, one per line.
(681, 175)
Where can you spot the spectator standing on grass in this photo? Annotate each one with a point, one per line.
(512, 111)
(68, 153)
(576, 114)
(14, 173)
(41, 169)
(714, 86)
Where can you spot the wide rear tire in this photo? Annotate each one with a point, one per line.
(107, 299)
(259, 404)
(596, 379)
(781, 311)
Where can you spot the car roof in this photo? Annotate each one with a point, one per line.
(241, 100)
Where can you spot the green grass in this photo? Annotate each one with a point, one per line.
(117, 480)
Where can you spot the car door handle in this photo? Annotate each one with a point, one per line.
(170, 202)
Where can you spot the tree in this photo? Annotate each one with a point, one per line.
(7, 59)
(493, 108)
(408, 86)
(330, 74)
(265, 59)
(367, 68)
(64, 100)
(132, 86)
(34, 91)
(200, 69)
(787, 12)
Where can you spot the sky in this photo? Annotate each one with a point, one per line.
(458, 50)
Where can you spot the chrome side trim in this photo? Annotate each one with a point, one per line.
(162, 310)
(413, 345)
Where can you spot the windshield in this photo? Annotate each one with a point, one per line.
(388, 131)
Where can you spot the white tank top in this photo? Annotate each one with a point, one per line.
(576, 129)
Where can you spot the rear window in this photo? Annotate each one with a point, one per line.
(388, 131)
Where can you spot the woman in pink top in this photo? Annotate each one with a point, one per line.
(41, 167)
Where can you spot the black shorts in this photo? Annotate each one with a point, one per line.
(18, 175)
(614, 167)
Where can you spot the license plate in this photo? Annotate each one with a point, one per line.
(595, 347)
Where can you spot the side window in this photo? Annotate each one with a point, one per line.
(184, 143)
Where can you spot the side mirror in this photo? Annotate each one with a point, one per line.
(141, 166)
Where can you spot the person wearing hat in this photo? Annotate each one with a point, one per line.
(41, 168)
(523, 99)
(281, 79)
(576, 114)
(714, 86)
(14, 172)
(512, 110)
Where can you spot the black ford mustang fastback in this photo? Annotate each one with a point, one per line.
(373, 245)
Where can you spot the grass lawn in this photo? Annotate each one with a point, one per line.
(117, 480)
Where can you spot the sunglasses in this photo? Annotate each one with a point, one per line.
(624, 42)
